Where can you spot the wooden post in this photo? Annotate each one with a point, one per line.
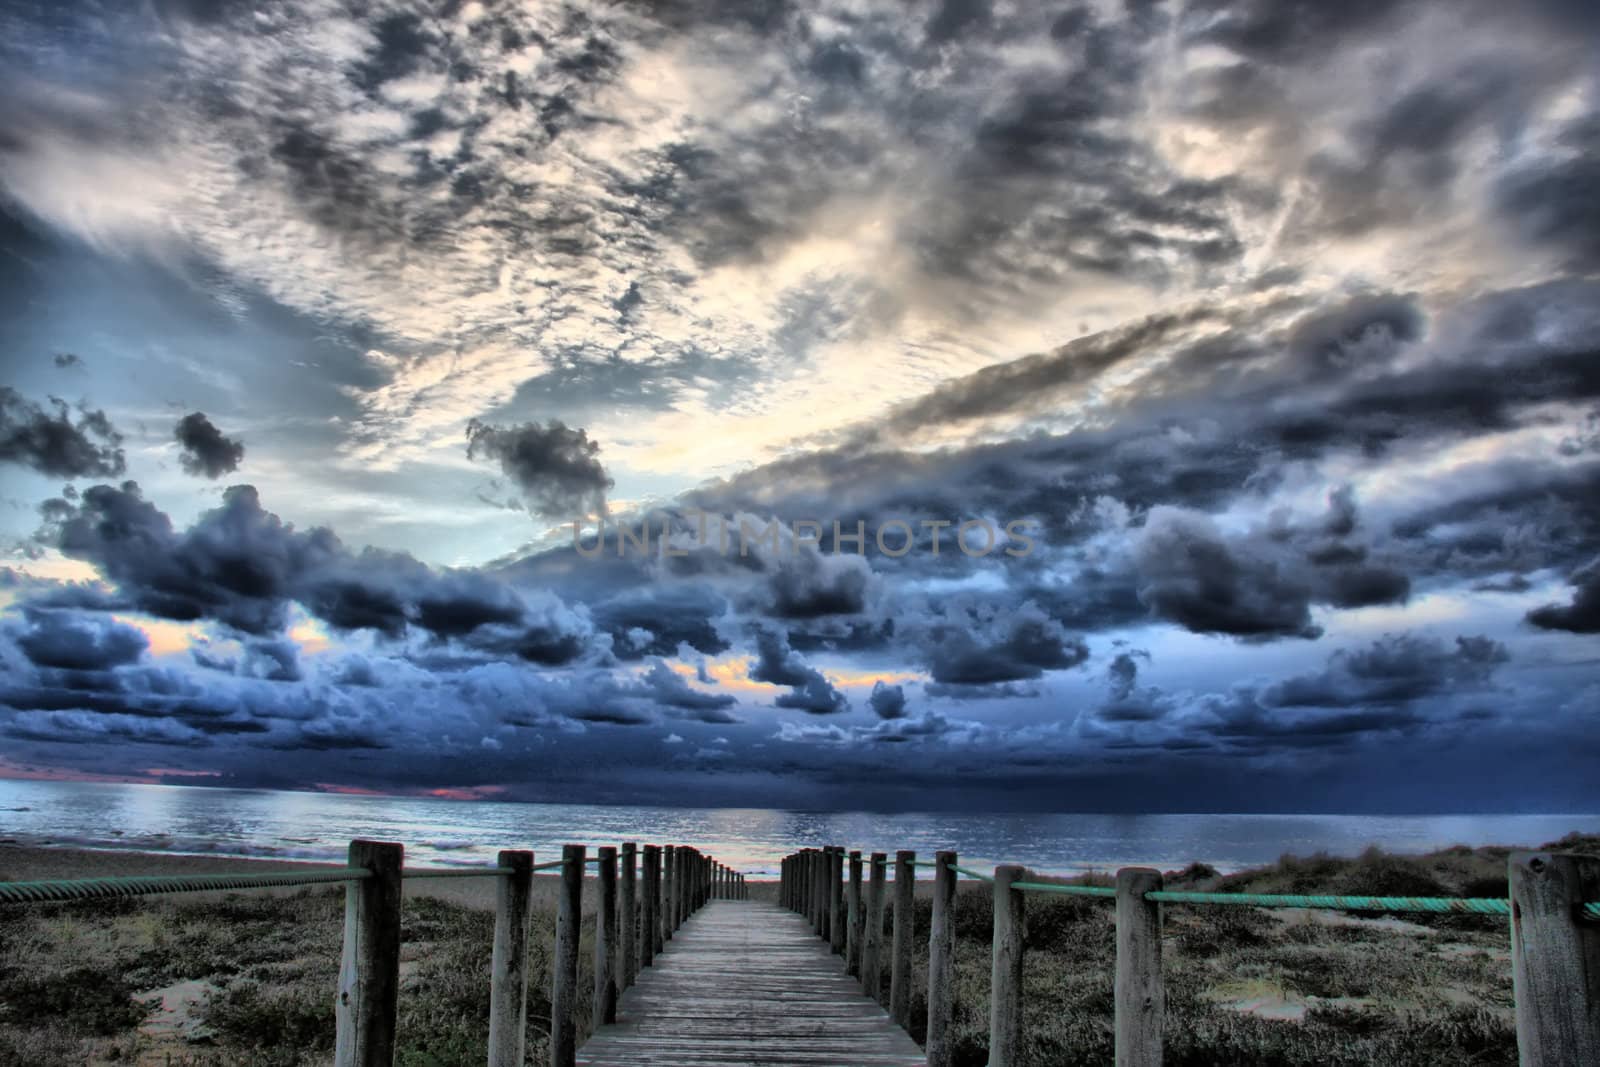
(856, 919)
(1140, 1001)
(508, 982)
(606, 983)
(836, 923)
(905, 913)
(564, 968)
(628, 914)
(806, 884)
(369, 970)
(941, 963)
(1555, 958)
(669, 885)
(872, 946)
(650, 923)
(824, 859)
(825, 894)
(1005, 980)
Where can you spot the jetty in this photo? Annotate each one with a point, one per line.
(692, 969)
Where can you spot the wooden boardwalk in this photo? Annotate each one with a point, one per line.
(746, 982)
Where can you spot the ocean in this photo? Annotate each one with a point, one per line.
(437, 832)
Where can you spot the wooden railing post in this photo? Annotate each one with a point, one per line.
(1005, 979)
(855, 918)
(836, 923)
(564, 968)
(1140, 1000)
(508, 969)
(606, 983)
(669, 887)
(650, 923)
(941, 962)
(905, 911)
(628, 914)
(369, 970)
(825, 894)
(1555, 958)
(872, 946)
(808, 885)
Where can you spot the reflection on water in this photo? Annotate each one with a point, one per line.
(439, 832)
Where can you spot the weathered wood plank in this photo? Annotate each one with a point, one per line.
(748, 983)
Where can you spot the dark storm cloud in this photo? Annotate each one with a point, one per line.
(1395, 669)
(668, 688)
(206, 452)
(1193, 576)
(810, 585)
(888, 701)
(980, 645)
(957, 18)
(1128, 701)
(241, 566)
(1582, 614)
(1285, 31)
(1550, 201)
(55, 445)
(778, 664)
(1364, 330)
(557, 468)
(672, 613)
(79, 642)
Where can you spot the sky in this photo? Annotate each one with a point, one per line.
(968, 405)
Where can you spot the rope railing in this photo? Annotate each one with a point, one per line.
(644, 896)
(1064, 890)
(144, 885)
(1557, 1006)
(461, 872)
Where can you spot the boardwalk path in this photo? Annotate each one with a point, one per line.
(745, 982)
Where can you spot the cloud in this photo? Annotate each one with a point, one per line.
(206, 452)
(1192, 575)
(558, 469)
(79, 642)
(241, 566)
(1582, 614)
(888, 701)
(55, 445)
(668, 688)
(778, 664)
(1395, 669)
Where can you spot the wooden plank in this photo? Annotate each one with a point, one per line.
(747, 983)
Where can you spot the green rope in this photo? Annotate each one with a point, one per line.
(1591, 910)
(1475, 905)
(102, 888)
(925, 863)
(464, 872)
(971, 874)
(1065, 890)
(552, 865)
